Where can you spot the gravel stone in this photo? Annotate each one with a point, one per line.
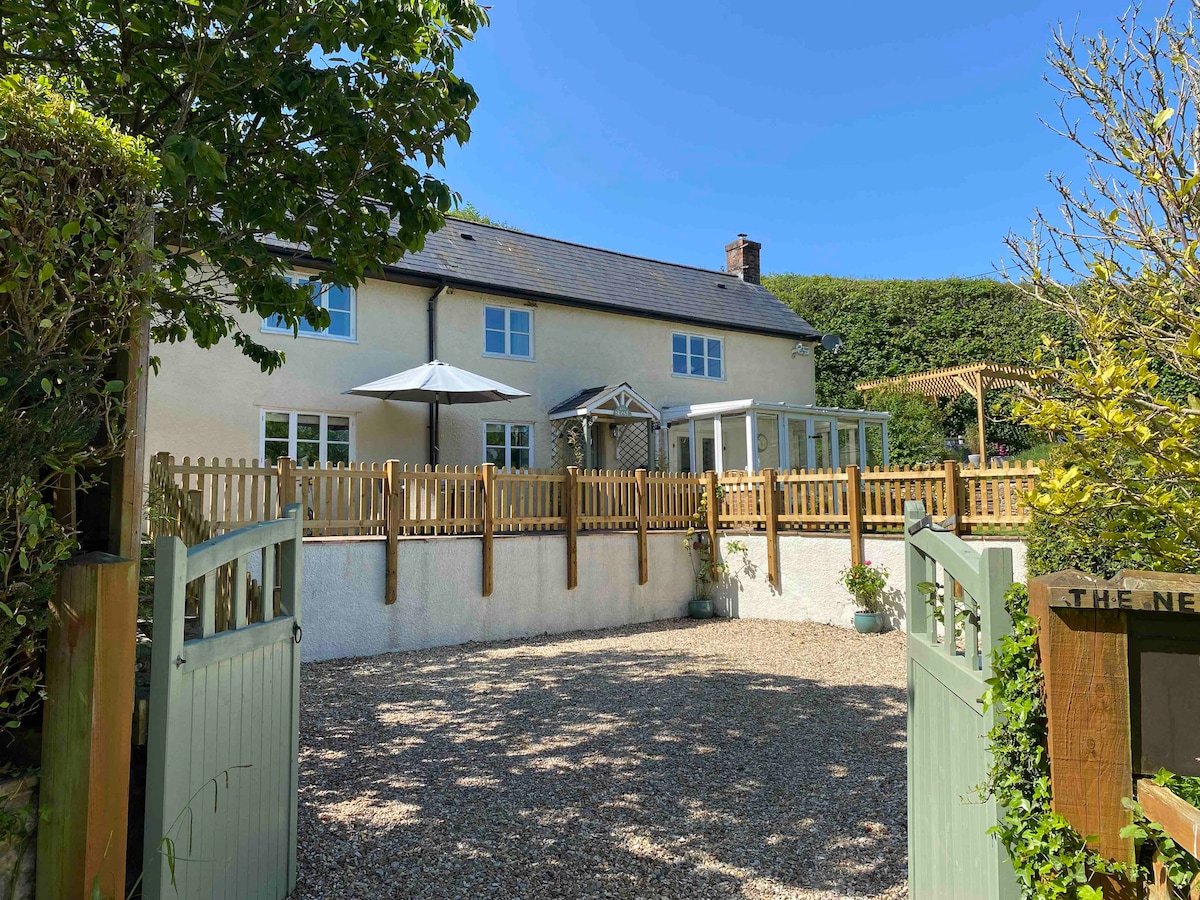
(680, 759)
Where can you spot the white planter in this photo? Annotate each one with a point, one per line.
(973, 459)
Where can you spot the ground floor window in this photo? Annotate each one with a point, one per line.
(308, 438)
(508, 446)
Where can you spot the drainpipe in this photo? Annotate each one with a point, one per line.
(431, 309)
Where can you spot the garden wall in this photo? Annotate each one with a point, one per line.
(439, 599)
(809, 565)
(440, 602)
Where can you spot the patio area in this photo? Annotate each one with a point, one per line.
(720, 759)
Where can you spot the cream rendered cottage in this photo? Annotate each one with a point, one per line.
(628, 362)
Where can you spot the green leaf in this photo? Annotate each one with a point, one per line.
(114, 387)
(45, 273)
(1162, 118)
(47, 386)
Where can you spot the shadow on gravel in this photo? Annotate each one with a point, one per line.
(513, 770)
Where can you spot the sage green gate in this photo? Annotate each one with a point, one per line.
(224, 716)
(950, 854)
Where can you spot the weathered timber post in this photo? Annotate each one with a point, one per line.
(643, 498)
(571, 501)
(87, 729)
(952, 489)
(489, 524)
(771, 515)
(391, 588)
(854, 510)
(714, 520)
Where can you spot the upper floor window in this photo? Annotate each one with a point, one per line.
(338, 301)
(308, 438)
(697, 356)
(507, 332)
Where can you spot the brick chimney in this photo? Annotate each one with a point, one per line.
(741, 259)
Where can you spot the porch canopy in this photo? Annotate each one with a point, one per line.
(760, 434)
(625, 442)
(975, 379)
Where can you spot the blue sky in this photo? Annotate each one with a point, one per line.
(870, 139)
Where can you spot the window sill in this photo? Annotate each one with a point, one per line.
(287, 332)
(487, 355)
(697, 377)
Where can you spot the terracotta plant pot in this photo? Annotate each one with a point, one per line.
(868, 622)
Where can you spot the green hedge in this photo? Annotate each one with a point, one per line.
(73, 277)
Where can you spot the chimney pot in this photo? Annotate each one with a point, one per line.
(742, 259)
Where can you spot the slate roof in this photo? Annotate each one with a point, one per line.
(526, 265)
(559, 270)
(575, 401)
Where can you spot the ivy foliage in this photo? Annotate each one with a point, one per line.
(313, 122)
(73, 279)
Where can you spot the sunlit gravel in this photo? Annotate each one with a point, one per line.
(674, 760)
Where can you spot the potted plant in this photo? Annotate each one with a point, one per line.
(974, 451)
(866, 583)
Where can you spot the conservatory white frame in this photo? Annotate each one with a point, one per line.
(785, 413)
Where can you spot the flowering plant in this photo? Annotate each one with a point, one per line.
(866, 583)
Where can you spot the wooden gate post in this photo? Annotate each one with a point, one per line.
(391, 589)
(489, 524)
(854, 506)
(643, 499)
(571, 501)
(87, 729)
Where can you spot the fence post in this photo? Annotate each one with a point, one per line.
(87, 729)
(771, 514)
(489, 524)
(391, 470)
(643, 500)
(571, 500)
(952, 488)
(854, 504)
(714, 520)
(286, 470)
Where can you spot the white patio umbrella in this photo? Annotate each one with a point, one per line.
(436, 383)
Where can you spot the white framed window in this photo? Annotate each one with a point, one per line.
(310, 438)
(697, 356)
(508, 445)
(340, 302)
(508, 332)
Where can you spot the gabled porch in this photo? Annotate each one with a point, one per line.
(759, 434)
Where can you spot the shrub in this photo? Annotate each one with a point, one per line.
(73, 279)
(916, 430)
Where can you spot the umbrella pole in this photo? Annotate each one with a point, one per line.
(433, 433)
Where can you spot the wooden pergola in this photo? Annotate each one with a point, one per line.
(974, 379)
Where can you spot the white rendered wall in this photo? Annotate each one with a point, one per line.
(809, 566)
(439, 600)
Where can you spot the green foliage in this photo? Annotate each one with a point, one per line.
(903, 327)
(1050, 858)
(313, 121)
(1127, 273)
(917, 429)
(1180, 866)
(1062, 536)
(469, 212)
(73, 279)
(867, 583)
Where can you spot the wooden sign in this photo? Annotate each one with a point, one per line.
(1130, 591)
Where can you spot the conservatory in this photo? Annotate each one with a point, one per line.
(755, 434)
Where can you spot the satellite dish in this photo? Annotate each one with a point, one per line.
(831, 342)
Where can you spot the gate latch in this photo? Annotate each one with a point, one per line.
(946, 525)
(297, 632)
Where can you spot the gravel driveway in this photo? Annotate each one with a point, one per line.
(674, 760)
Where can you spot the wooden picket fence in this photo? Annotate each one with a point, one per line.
(209, 497)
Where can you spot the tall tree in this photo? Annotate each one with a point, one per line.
(1124, 266)
(313, 122)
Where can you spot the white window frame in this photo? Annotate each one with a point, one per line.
(508, 444)
(321, 301)
(508, 310)
(687, 336)
(293, 420)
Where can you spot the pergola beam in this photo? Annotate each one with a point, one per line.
(975, 379)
